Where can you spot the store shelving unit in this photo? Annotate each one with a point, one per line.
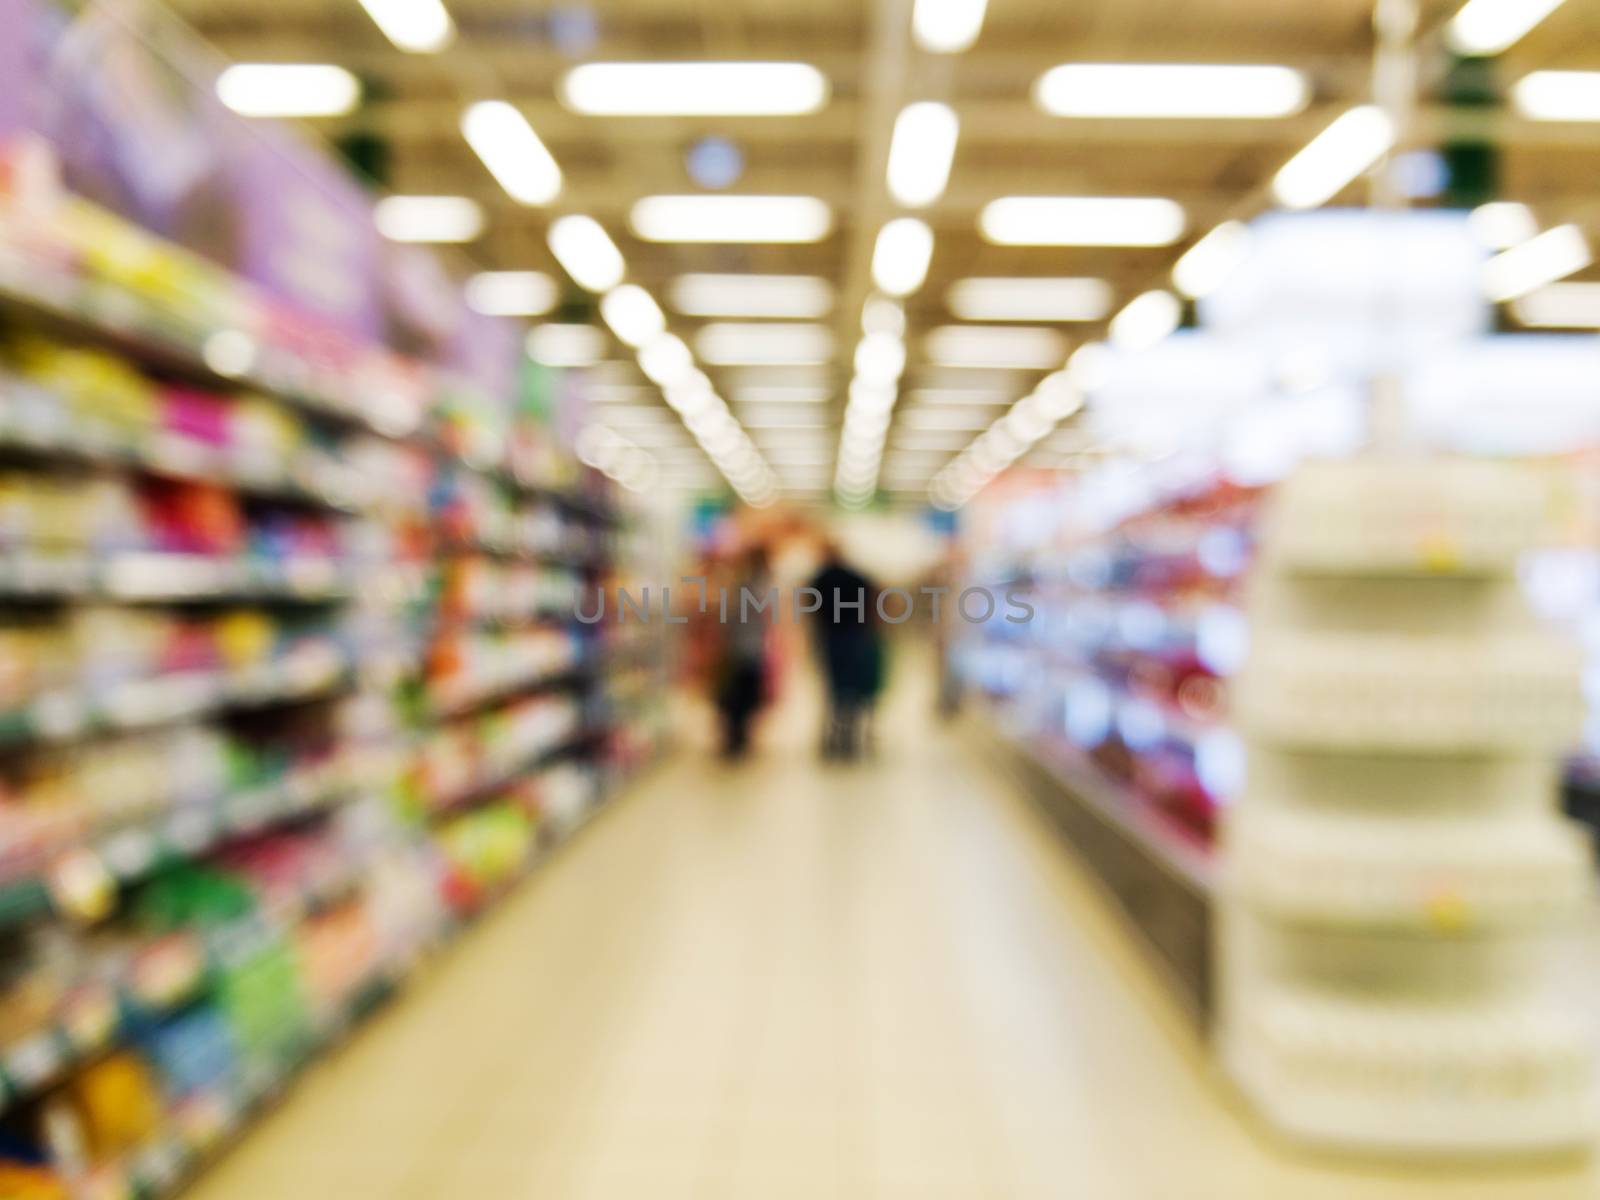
(300, 783)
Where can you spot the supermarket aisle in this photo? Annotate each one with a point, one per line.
(784, 981)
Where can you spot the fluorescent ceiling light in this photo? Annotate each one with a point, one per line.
(901, 256)
(1206, 265)
(731, 343)
(880, 359)
(781, 394)
(779, 296)
(636, 414)
(1485, 27)
(973, 419)
(984, 396)
(811, 435)
(1090, 366)
(883, 315)
(288, 89)
(586, 252)
(1354, 141)
(1145, 320)
(428, 218)
(947, 26)
(799, 456)
(1030, 299)
(1170, 90)
(511, 293)
(501, 136)
(666, 360)
(731, 219)
(1082, 221)
(740, 378)
(1558, 95)
(1015, 346)
(660, 437)
(416, 26)
(783, 416)
(1561, 306)
(694, 89)
(632, 314)
(1552, 255)
(566, 345)
(921, 151)
(1502, 224)
(929, 439)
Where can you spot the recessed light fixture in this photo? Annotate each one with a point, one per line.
(288, 90)
(1334, 158)
(694, 89)
(1082, 221)
(1206, 265)
(586, 252)
(511, 293)
(428, 218)
(1554, 254)
(901, 255)
(1145, 320)
(1171, 90)
(767, 344)
(1502, 224)
(947, 26)
(502, 138)
(415, 26)
(632, 314)
(1560, 306)
(752, 296)
(1012, 346)
(666, 360)
(731, 219)
(566, 345)
(921, 151)
(1484, 27)
(1558, 95)
(1030, 299)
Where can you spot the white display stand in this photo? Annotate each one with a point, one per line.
(1398, 881)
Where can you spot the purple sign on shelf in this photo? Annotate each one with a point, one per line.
(18, 23)
(306, 235)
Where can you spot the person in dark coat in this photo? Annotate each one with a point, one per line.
(848, 650)
(741, 683)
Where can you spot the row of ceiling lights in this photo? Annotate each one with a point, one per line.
(922, 149)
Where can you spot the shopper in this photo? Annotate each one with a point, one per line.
(741, 675)
(849, 651)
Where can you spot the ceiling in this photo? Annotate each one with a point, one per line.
(518, 51)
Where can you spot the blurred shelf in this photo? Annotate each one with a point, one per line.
(114, 319)
(491, 692)
(153, 576)
(135, 850)
(63, 716)
(486, 788)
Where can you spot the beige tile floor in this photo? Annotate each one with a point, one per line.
(779, 980)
